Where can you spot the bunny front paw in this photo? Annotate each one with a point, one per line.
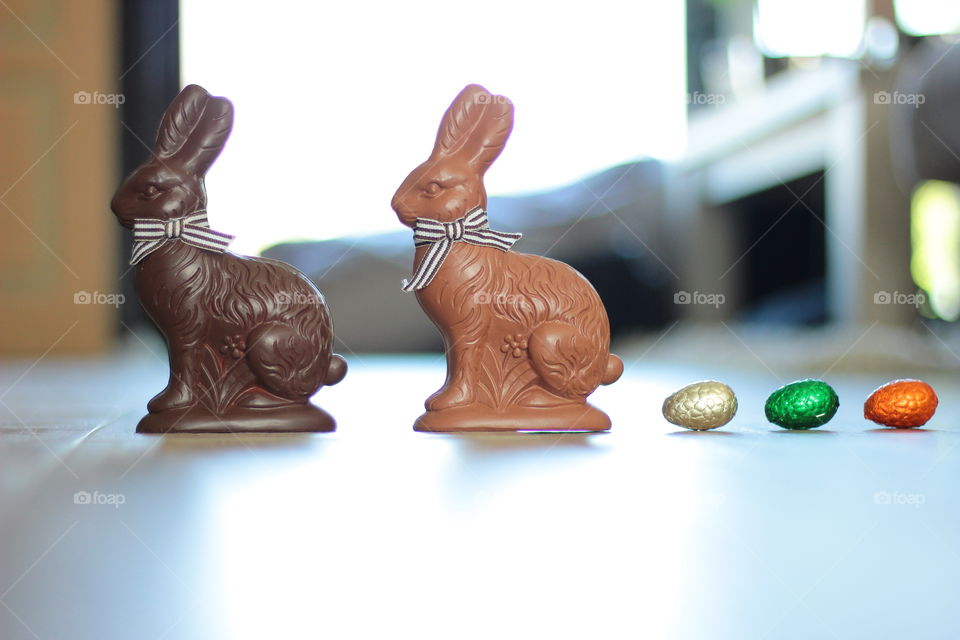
(447, 398)
(173, 397)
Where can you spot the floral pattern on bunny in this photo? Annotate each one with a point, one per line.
(249, 339)
(527, 338)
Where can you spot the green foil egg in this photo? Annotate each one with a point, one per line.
(804, 404)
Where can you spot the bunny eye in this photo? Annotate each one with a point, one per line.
(151, 191)
(432, 189)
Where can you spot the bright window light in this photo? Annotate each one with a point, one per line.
(785, 28)
(928, 17)
(337, 102)
(935, 238)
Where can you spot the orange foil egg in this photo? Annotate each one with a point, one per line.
(901, 403)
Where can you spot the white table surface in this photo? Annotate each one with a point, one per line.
(378, 532)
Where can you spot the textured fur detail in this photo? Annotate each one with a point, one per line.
(568, 329)
(241, 293)
(237, 328)
(285, 361)
(289, 336)
(519, 330)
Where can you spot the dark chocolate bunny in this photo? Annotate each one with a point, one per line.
(527, 338)
(249, 339)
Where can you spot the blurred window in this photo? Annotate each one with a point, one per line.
(787, 28)
(928, 17)
(337, 102)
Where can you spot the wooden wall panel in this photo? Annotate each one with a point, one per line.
(57, 173)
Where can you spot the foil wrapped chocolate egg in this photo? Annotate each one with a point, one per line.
(801, 405)
(901, 403)
(700, 406)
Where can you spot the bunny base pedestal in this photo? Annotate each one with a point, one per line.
(474, 418)
(298, 418)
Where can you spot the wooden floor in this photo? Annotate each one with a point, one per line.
(379, 532)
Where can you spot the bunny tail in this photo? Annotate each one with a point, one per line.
(336, 371)
(614, 370)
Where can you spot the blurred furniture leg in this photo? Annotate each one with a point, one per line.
(819, 120)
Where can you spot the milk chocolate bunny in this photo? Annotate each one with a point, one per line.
(527, 338)
(249, 339)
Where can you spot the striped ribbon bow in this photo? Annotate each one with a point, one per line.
(193, 229)
(472, 228)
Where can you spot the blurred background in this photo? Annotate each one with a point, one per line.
(760, 190)
(749, 179)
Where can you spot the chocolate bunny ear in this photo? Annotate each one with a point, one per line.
(476, 126)
(194, 129)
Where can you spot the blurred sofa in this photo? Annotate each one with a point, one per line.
(609, 226)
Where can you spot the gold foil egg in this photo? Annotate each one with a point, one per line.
(701, 406)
